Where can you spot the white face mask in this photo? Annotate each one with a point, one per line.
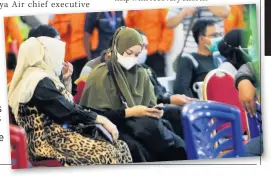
(127, 62)
(142, 56)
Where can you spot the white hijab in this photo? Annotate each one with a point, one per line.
(38, 58)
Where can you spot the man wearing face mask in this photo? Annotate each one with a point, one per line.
(194, 67)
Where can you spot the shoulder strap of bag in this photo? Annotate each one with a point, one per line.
(192, 59)
(185, 39)
(111, 73)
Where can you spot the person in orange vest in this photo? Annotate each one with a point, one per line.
(236, 18)
(13, 39)
(153, 23)
(71, 30)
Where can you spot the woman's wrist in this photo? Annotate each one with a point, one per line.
(243, 83)
(128, 113)
(100, 119)
(67, 81)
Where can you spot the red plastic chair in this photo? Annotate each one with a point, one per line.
(79, 89)
(219, 86)
(19, 148)
(47, 163)
(80, 82)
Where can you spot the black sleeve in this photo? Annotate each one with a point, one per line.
(165, 98)
(161, 93)
(122, 22)
(51, 102)
(182, 84)
(245, 72)
(115, 116)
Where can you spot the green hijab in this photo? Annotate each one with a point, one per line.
(100, 92)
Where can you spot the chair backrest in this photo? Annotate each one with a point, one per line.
(229, 68)
(201, 119)
(80, 83)
(79, 92)
(167, 82)
(255, 122)
(197, 87)
(18, 148)
(219, 86)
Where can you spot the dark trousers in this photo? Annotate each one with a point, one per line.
(157, 62)
(254, 147)
(138, 150)
(173, 114)
(156, 138)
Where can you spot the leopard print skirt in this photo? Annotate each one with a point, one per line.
(52, 141)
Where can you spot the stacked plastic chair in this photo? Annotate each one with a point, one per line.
(19, 148)
(200, 122)
(255, 122)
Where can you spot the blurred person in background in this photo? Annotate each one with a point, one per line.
(236, 19)
(13, 40)
(106, 24)
(104, 56)
(12, 32)
(153, 23)
(235, 48)
(187, 16)
(194, 67)
(71, 30)
(32, 21)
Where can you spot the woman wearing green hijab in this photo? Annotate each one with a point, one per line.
(122, 91)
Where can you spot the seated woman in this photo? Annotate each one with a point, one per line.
(233, 47)
(247, 77)
(247, 81)
(121, 89)
(41, 105)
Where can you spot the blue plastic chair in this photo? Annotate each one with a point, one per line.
(255, 122)
(200, 121)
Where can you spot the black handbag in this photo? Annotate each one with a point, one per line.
(94, 131)
(155, 134)
(122, 99)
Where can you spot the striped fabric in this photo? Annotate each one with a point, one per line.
(203, 12)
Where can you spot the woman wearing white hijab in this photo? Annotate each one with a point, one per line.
(41, 105)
